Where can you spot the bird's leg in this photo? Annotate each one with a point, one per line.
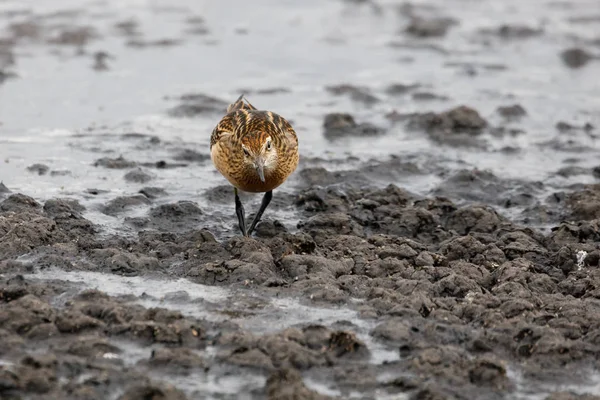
(263, 206)
(239, 210)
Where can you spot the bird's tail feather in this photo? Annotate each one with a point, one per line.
(240, 105)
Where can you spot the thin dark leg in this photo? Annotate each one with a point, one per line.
(263, 206)
(239, 210)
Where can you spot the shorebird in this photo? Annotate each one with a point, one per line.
(256, 151)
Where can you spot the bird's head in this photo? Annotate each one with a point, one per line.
(259, 153)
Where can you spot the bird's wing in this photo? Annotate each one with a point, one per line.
(289, 134)
(228, 125)
(292, 138)
(223, 130)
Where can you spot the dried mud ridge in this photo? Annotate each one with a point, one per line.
(463, 295)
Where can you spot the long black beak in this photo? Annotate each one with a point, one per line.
(260, 170)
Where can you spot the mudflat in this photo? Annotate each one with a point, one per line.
(440, 239)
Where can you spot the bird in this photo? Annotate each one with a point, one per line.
(256, 151)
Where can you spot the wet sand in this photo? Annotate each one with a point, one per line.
(439, 240)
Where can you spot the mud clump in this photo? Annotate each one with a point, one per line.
(358, 94)
(511, 32)
(425, 28)
(585, 204)
(459, 125)
(165, 42)
(177, 217)
(458, 119)
(190, 155)
(484, 187)
(566, 127)
(114, 163)
(340, 125)
(40, 169)
(576, 57)
(287, 384)
(193, 105)
(141, 392)
(121, 204)
(428, 96)
(74, 36)
(138, 176)
(514, 111)
(399, 89)
(26, 226)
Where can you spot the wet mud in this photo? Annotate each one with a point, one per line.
(436, 242)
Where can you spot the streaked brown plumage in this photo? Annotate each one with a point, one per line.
(255, 150)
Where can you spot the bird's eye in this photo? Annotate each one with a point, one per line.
(246, 153)
(269, 145)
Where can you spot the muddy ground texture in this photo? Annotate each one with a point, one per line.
(461, 293)
(476, 305)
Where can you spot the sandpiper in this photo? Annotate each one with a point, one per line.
(256, 151)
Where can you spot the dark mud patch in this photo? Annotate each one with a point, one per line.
(366, 174)
(196, 25)
(457, 126)
(584, 204)
(138, 175)
(510, 112)
(61, 34)
(193, 105)
(429, 27)
(128, 28)
(122, 204)
(577, 57)
(514, 32)
(460, 292)
(115, 163)
(485, 187)
(40, 169)
(142, 44)
(179, 216)
(566, 127)
(356, 93)
(428, 96)
(342, 125)
(189, 155)
(400, 89)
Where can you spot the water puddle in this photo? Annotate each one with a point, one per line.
(264, 315)
(589, 384)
